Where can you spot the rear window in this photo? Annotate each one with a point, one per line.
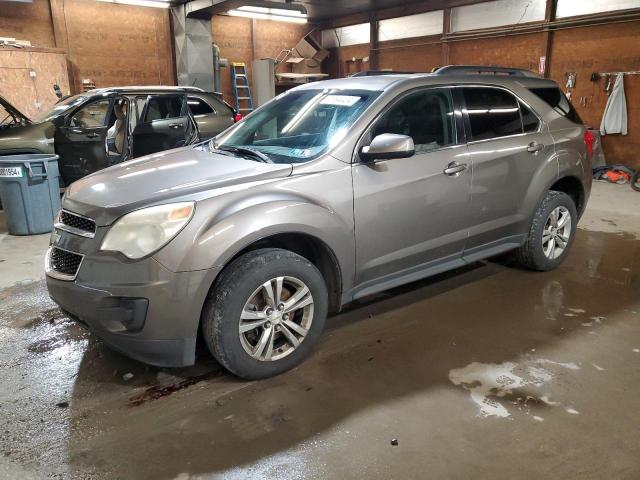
(197, 106)
(492, 113)
(162, 108)
(554, 97)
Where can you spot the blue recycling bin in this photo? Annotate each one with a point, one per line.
(30, 192)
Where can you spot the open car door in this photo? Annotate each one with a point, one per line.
(80, 140)
(163, 123)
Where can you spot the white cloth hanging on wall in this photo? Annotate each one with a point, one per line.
(614, 119)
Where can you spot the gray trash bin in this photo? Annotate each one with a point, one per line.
(30, 192)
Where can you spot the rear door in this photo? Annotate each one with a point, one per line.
(163, 124)
(81, 141)
(508, 144)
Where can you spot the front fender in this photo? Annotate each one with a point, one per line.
(212, 240)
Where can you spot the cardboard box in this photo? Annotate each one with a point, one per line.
(309, 48)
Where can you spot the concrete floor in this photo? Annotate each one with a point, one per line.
(485, 372)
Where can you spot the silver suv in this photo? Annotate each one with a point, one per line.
(330, 192)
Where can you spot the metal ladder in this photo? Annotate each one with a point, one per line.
(240, 83)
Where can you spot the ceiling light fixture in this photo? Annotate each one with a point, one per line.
(141, 3)
(297, 14)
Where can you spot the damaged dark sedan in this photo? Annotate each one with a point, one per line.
(103, 127)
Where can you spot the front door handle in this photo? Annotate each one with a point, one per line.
(454, 168)
(92, 135)
(534, 147)
(175, 125)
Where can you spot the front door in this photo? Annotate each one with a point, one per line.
(412, 214)
(81, 141)
(163, 124)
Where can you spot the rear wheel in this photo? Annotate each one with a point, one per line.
(635, 181)
(551, 233)
(265, 313)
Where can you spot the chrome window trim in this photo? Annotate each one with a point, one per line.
(76, 231)
(50, 272)
(500, 87)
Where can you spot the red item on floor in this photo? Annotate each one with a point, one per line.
(617, 176)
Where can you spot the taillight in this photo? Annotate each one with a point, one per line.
(589, 140)
(237, 117)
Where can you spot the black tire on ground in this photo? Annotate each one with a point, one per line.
(530, 254)
(634, 181)
(234, 287)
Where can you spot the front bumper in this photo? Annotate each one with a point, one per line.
(139, 308)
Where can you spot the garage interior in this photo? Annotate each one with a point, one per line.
(486, 371)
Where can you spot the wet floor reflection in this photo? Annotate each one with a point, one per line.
(383, 368)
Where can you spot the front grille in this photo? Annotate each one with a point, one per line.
(64, 262)
(76, 221)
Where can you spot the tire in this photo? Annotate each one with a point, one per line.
(240, 291)
(634, 181)
(533, 254)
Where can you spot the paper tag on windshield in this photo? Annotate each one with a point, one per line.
(340, 100)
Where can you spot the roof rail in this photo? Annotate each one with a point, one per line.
(370, 73)
(484, 70)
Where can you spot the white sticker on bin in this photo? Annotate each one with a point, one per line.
(340, 100)
(8, 172)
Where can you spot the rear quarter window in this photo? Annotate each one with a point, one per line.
(557, 100)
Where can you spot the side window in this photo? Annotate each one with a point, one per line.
(529, 120)
(162, 108)
(197, 106)
(492, 113)
(92, 115)
(425, 116)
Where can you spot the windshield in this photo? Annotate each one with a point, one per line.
(299, 125)
(62, 107)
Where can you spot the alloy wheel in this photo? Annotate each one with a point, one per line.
(556, 233)
(276, 318)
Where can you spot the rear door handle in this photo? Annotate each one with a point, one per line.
(454, 169)
(175, 125)
(534, 147)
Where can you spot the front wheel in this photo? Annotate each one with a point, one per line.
(551, 233)
(265, 313)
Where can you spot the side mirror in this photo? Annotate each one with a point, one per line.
(387, 146)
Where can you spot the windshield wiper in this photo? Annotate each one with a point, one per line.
(246, 151)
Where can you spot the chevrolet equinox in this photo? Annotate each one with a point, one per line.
(330, 192)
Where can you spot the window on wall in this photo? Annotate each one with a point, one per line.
(496, 14)
(420, 25)
(344, 36)
(571, 8)
(426, 116)
(492, 113)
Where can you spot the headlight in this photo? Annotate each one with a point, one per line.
(145, 231)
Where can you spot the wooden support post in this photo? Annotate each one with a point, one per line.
(374, 26)
(547, 35)
(59, 23)
(446, 29)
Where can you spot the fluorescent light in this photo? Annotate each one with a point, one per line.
(274, 11)
(264, 13)
(141, 3)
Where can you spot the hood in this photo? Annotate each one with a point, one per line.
(188, 173)
(34, 137)
(20, 118)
